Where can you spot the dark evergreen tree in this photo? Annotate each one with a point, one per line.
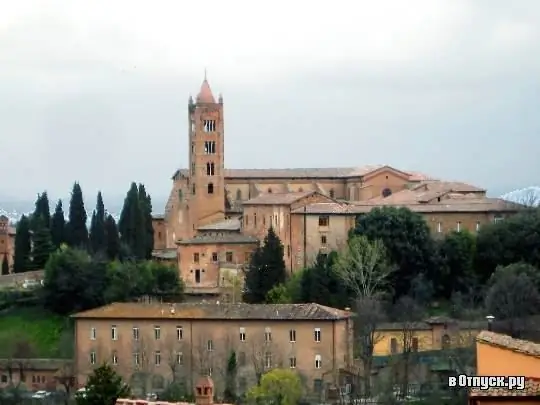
(58, 226)
(131, 225)
(42, 210)
(112, 240)
(23, 246)
(145, 202)
(104, 387)
(266, 270)
(229, 395)
(98, 241)
(42, 246)
(77, 229)
(5, 265)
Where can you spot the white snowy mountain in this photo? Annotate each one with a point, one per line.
(528, 196)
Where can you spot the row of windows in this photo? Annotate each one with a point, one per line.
(210, 169)
(179, 359)
(229, 257)
(36, 379)
(459, 225)
(445, 344)
(210, 344)
(209, 188)
(207, 125)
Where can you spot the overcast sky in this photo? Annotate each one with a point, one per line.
(96, 91)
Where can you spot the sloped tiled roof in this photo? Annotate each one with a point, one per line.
(238, 311)
(205, 94)
(532, 389)
(507, 342)
(224, 237)
(232, 224)
(278, 198)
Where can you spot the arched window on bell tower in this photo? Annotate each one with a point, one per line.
(210, 169)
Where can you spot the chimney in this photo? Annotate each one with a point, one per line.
(173, 309)
(490, 319)
(204, 391)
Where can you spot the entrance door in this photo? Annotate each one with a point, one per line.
(197, 276)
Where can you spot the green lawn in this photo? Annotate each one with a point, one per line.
(49, 335)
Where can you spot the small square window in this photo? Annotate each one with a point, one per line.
(323, 239)
(195, 258)
(214, 257)
(229, 257)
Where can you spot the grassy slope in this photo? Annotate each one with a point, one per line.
(49, 335)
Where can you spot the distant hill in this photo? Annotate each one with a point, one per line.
(528, 196)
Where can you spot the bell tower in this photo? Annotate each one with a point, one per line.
(206, 187)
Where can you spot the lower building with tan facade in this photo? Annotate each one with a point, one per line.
(153, 344)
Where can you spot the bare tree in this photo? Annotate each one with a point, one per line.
(142, 365)
(530, 198)
(264, 354)
(66, 376)
(363, 266)
(177, 357)
(368, 316)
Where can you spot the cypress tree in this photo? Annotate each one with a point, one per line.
(131, 224)
(23, 246)
(58, 226)
(145, 202)
(266, 270)
(43, 246)
(112, 241)
(77, 230)
(98, 242)
(5, 265)
(42, 210)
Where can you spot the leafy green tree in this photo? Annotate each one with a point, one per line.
(512, 296)
(230, 379)
(42, 246)
(278, 387)
(23, 246)
(266, 270)
(112, 240)
(516, 239)
(457, 253)
(408, 243)
(77, 230)
(321, 284)
(103, 387)
(5, 265)
(132, 226)
(42, 210)
(58, 226)
(73, 281)
(98, 242)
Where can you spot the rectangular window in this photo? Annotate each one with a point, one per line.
(324, 220)
(157, 332)
(157, 358)
(497, 218)
(193, 169)
(323, 239)
(241, 359)
(115, 358)
(317, 334)
(179, 333)
(210, 345)
(93, 357)
(210, 148)
(229, 257)
(114, 333)
(292, 362)
(292, 336)
(477, 226)
(458, 226)
(267, 360)
(242, 334)
(318, 361)
(180, 359)
(92, 333)
(136, 358)
(195, 258)
(317, 385)
(135, 333)
(267, 334)
(214, 257)
(439, 227)
(209, 125)
(393, 346)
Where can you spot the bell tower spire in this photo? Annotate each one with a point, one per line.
(206, 159)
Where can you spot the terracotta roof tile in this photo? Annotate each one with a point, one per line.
(532, 389)
(278, 198)
(219, 237)
(239, 311)
(205, 94)
(516, 345)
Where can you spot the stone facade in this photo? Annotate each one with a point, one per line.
(7, 241)
(311, 210)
